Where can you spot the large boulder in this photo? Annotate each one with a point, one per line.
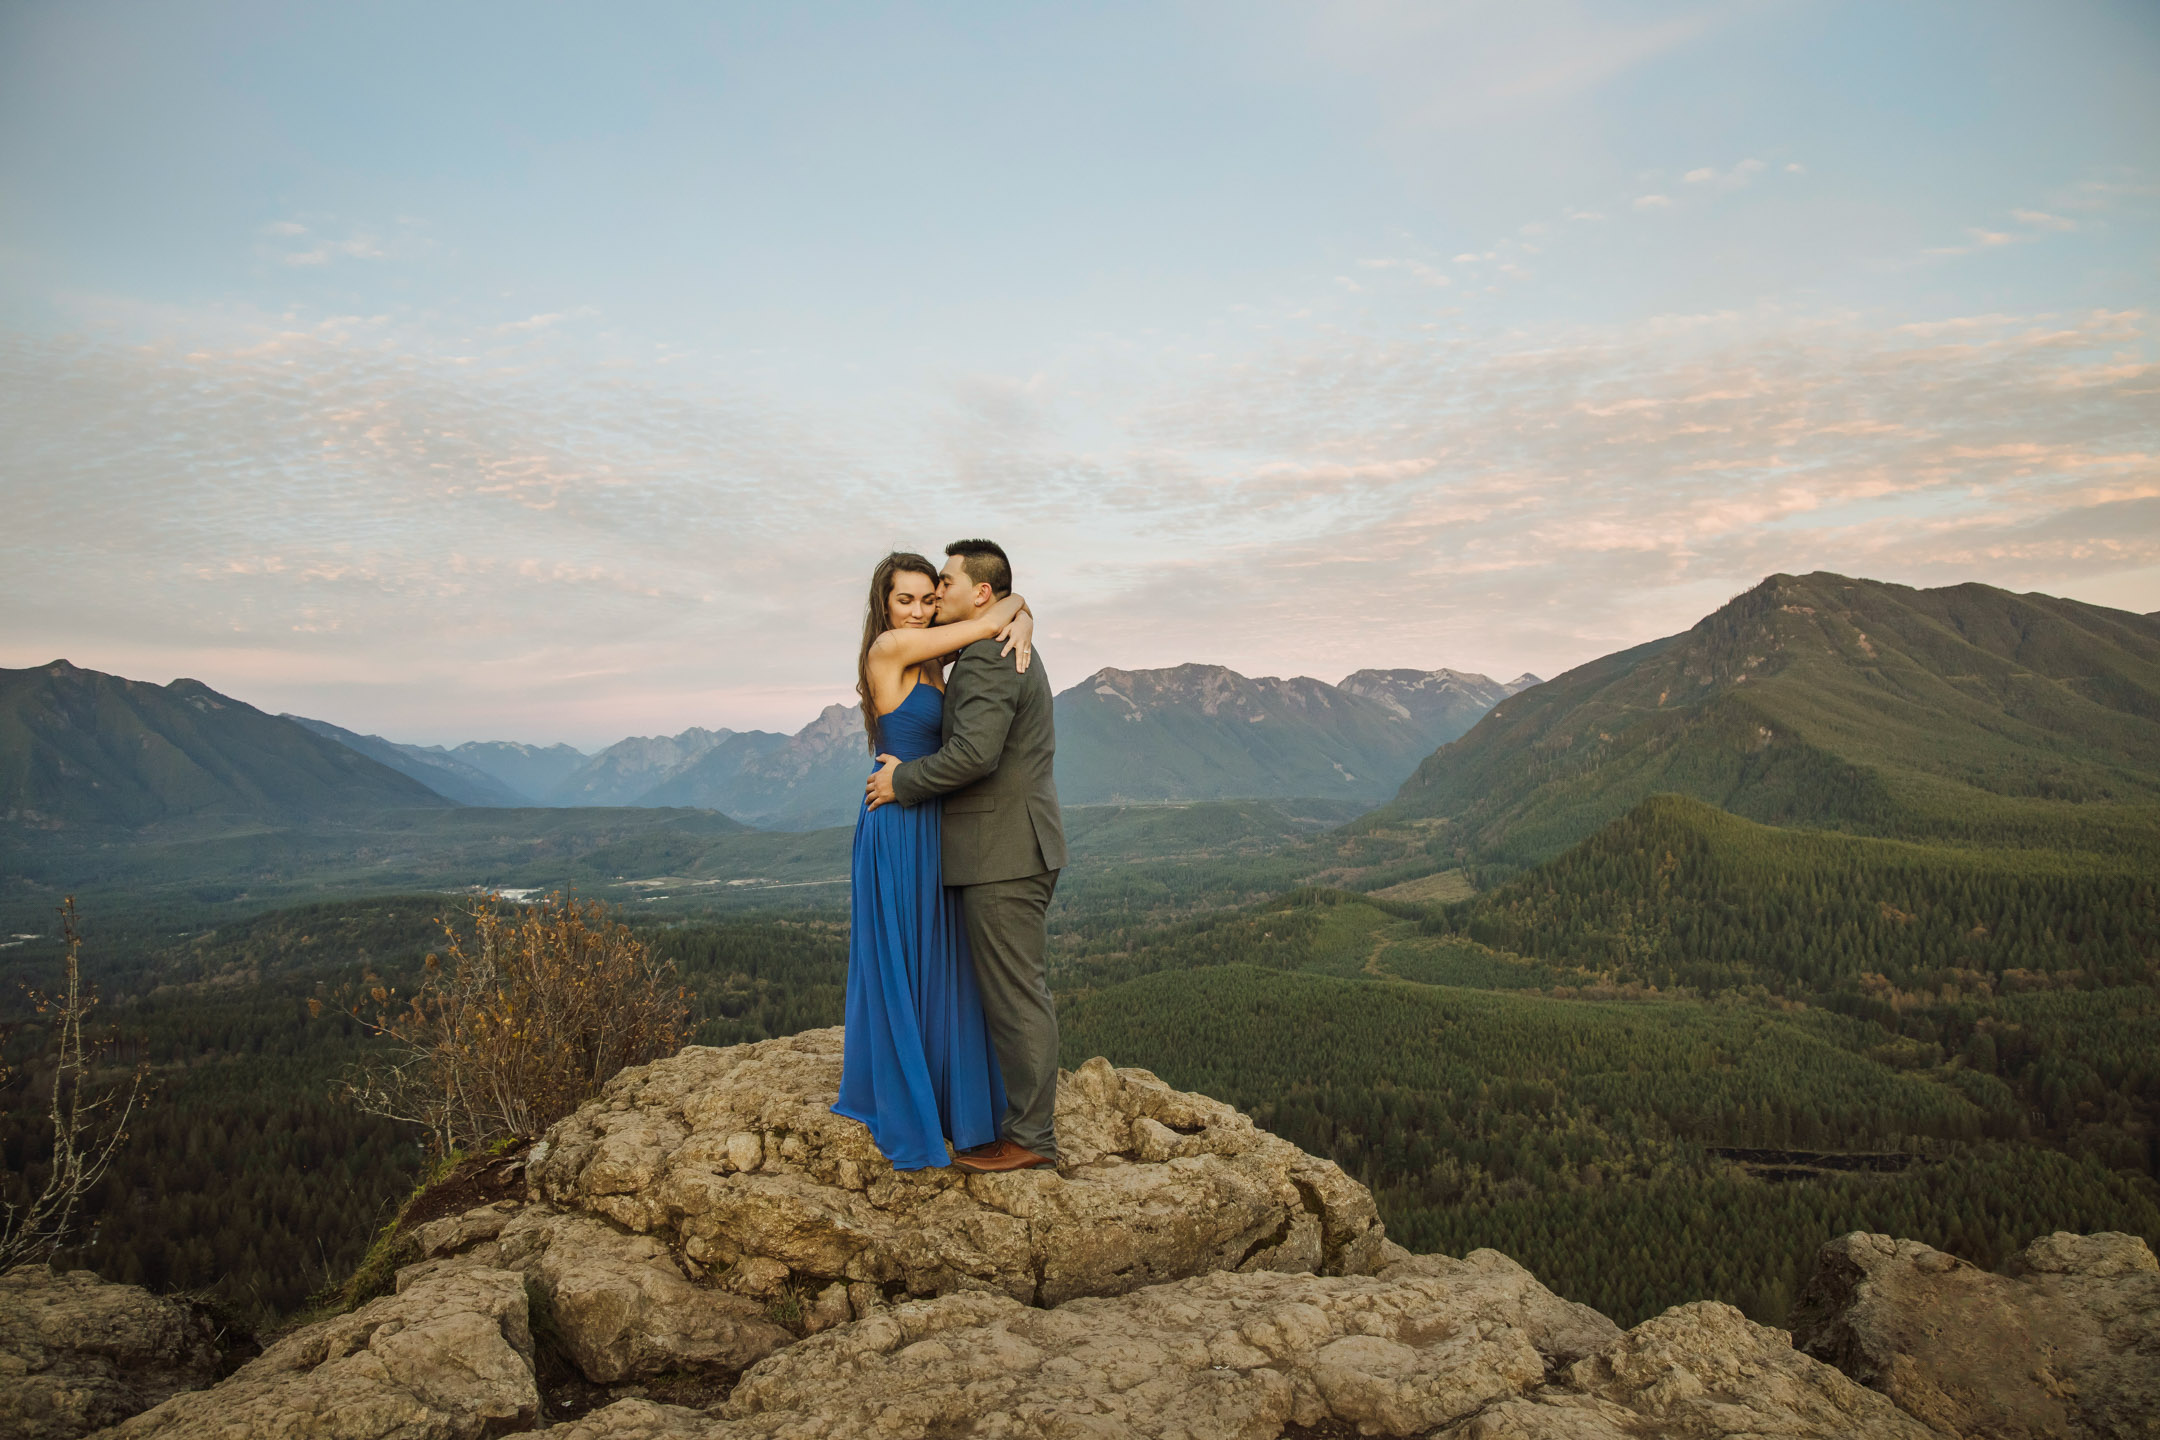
(78, 1353)
(620, 1306)
(734, 1158)
(449, 1358)
(2067, 1343)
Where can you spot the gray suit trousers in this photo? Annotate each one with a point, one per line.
(1008, 931)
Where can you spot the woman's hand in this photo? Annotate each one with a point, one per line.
(1018, 634)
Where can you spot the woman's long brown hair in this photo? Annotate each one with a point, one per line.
(877, 619)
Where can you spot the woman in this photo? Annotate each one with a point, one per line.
(917, 1068)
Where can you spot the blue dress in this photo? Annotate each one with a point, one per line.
(917, 1065)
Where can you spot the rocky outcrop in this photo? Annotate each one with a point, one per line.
(1469, 1349)
(449, 1358)
(734, 1159)
(708, 1231)
(2067, 1343)
(78, 1354)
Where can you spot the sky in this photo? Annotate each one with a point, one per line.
(555, 373)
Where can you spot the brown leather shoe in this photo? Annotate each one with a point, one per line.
(1007, 1157)
(988, 1147)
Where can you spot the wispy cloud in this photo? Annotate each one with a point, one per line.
(2040, 219)
(1737, 177)
(343, 491)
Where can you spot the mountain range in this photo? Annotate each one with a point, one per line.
(1965, 713)
(82, 748)
(1201, 732)
(1195, 732)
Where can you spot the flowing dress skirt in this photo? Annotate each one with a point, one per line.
(918, 1069)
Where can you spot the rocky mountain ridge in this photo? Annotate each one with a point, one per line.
(1205, 732)
(704, 1250)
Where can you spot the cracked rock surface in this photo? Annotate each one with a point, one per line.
(1223, 1355)
(1470, 1349)
(732, 1157)
(2067, 1343)
(78, 1354)
(1697, 1372)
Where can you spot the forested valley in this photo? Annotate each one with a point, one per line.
(1664, 1067)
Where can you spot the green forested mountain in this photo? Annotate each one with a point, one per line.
(1676, 893)
(82, 748)
(1965, 714)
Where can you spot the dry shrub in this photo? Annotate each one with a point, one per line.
(518, 1024)
(88, 1126)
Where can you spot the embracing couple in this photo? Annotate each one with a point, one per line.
(951, 1031)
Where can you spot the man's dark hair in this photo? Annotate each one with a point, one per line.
(985, 563)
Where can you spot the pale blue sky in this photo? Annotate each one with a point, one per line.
(558, 372)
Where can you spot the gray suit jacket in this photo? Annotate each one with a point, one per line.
(1001, 806)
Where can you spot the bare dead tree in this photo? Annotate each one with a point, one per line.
(88, 1128)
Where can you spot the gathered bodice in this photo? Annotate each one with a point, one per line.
(915, 727)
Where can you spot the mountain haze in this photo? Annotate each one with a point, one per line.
(78, 747)
(450, 778)
(803, 781)
(622, 773)
(1203, 732)
(1819, 700)
(529, 770)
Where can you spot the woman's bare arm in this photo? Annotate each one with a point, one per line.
(902, 648)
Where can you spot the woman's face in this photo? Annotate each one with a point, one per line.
(913, 602)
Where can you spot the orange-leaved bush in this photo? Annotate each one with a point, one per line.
(518, 1023)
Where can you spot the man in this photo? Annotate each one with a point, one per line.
(1004, 845)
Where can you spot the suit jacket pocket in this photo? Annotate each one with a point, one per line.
(969, 804)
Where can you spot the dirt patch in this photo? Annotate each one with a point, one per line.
(470, 1184)
(1430, 889)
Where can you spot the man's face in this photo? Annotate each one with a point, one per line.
(958, 597)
